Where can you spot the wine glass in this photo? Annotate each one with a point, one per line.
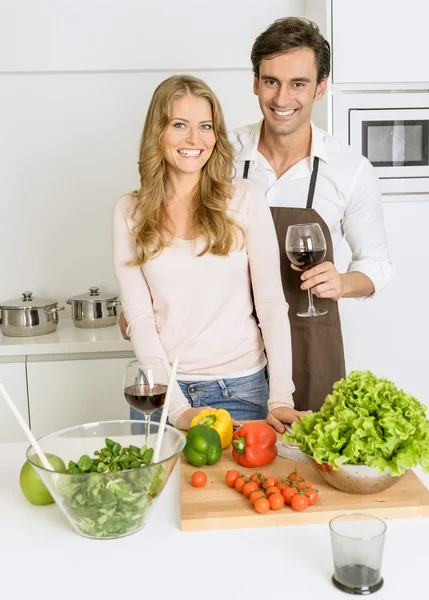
(305, 248)
(145, 385)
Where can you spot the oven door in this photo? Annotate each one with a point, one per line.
(395, 141)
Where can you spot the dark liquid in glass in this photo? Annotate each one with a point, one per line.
(306, 258)
(144, 398)
(358, 579)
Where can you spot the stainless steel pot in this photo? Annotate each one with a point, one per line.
(93, 310)
(29, 316)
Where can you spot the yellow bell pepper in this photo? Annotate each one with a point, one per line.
(218, 419)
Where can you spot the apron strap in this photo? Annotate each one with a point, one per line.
(246, 169)
(313, 180)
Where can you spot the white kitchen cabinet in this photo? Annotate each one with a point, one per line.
(133, 34)
(13, 377)
(382, 41)
(69, 390)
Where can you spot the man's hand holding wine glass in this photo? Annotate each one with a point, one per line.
(324, 280)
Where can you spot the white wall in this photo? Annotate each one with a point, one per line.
(76, 78)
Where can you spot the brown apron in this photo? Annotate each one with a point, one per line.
(317, 342)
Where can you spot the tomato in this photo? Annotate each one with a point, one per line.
(305, 486)
(255, 495)
(249, 487)
(276, 501)
(240, 482)
(283, 485)
(272, 490)
(261, 505)
(257, 478)
(312, 496)
(288, 493)
(294, 476)
(199, 479)
(299, 502)
(230, 477)
(269, 482)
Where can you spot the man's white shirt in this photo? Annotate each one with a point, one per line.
(347, 195)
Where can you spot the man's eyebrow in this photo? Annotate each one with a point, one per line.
(293, 80)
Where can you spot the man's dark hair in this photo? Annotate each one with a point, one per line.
(289, 34)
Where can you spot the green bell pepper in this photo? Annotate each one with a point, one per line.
(203, 446)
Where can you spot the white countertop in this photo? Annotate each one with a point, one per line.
(42, 557)
(67, 339)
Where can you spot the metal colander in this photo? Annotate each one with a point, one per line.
(355, 479)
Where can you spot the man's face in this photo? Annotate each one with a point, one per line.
(286, 89)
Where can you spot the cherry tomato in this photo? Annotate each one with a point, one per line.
(261, 505)
(269, 482)
(249, 487)
(283, 484)
(294, 476)
(276, 501)
(255, 495)
(289, 493)
(299, 502)
(199, 479)
(240, 482)
(312, 497)
(257, 478)
(230, 477)
(272, 490)
(304, 485)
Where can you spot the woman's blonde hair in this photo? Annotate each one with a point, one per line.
(210, 219)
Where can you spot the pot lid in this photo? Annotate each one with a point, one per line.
(94, 296)
(27, 301)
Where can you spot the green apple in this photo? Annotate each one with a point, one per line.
(32, 486)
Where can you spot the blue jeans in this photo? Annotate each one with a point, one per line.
(245, 398)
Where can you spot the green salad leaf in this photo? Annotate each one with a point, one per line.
(366, 421)
(104, 497)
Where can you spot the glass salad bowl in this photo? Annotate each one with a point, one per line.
(111, 485)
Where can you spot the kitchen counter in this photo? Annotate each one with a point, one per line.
(67, 339)
(42, 557)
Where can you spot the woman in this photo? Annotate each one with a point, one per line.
(186, 246)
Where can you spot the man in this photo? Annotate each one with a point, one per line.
(309, 176)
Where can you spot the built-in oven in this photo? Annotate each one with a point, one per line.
(392, 131)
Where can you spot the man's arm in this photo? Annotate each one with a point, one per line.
(326, 282)
(363, 226)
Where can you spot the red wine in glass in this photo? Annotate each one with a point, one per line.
(144, 398)
(145, 386)
(305, 248)
(306, 258)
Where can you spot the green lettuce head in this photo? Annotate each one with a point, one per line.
(366, 421)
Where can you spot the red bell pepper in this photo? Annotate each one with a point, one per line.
(254, 445)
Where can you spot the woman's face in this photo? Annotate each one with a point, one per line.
(189, 139)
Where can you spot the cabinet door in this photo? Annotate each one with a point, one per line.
(64, 393)
(12, 376)
(380, 42)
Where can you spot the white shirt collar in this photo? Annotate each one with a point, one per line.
(250, 149)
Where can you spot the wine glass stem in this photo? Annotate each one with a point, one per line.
(310, 302)
(147, 423)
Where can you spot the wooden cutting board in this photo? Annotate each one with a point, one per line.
(217, 506)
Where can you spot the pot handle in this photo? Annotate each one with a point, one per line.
(50, 311)
(114, 303)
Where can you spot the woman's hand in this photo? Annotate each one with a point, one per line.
(122, 322)
(285, 414)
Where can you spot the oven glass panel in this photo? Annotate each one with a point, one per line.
(395, 143)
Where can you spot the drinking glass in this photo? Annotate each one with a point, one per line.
(305, 248)
(145, 385)
(357, 546)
